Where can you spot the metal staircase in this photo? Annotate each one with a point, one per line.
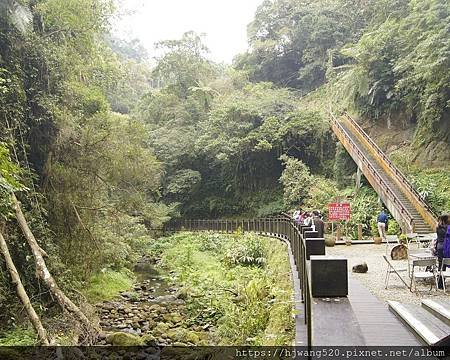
(403, 201)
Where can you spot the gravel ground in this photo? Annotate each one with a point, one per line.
(374, 279)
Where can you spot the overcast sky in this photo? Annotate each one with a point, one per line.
(223, 21)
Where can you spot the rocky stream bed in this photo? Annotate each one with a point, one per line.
(153, 313)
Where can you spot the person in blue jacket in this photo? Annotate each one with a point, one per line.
(382, 222)
(441, 231)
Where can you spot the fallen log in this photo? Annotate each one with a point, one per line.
(22, 294)
(43, 273)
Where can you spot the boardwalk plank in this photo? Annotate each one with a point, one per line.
(378, 325)
(358, 320)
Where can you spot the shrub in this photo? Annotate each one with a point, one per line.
(212, 242)
(246, 250)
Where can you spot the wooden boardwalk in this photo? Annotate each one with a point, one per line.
(379, 325)
(357, 320)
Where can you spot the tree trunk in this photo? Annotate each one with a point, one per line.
(34, 318)
(43, 273)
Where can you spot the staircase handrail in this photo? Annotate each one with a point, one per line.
(391, 165)
(408, 218)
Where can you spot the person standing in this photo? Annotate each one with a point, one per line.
(441, 231)
(318, 224)
(382, 221)
(308, 219)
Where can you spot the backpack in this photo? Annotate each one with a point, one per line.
(446, 249)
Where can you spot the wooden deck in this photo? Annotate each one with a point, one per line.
(357, 320)
(378, 324)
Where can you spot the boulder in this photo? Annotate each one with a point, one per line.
(161, 328)
(203, 336)
(132, 331)
(192, 337)
(149, 340)
(178, 343)
(173, 317)
(172, 335)
(360, 268)
(124, 339)
(155, 308)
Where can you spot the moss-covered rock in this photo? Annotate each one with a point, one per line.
(173, 317)
(203, 336)
(192, 337)
(124, 339)
(161, 328)
(149, 340)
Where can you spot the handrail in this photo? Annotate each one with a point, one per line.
(407, 217)
(281, 226)
(391, 165)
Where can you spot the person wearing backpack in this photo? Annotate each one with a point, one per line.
(442, 243)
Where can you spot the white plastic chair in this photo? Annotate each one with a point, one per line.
(423, 274)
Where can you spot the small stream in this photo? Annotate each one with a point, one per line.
(149, 278)
(152, 310)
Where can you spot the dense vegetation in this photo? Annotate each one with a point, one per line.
(98, 157)
(239, 284)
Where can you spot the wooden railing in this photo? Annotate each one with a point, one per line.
(423, 207)
(341, 133)
(282, 227)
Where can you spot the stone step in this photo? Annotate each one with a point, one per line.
(439, 308)
(424, 325)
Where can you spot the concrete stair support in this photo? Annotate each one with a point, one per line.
(439, 308)
(423, 324)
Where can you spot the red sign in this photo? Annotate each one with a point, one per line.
(339, 211)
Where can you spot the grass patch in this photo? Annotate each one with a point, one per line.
(18, 337)
(108, 284)
(239, 284)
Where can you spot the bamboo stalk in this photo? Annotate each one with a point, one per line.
(22, 294)
(43, 273)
